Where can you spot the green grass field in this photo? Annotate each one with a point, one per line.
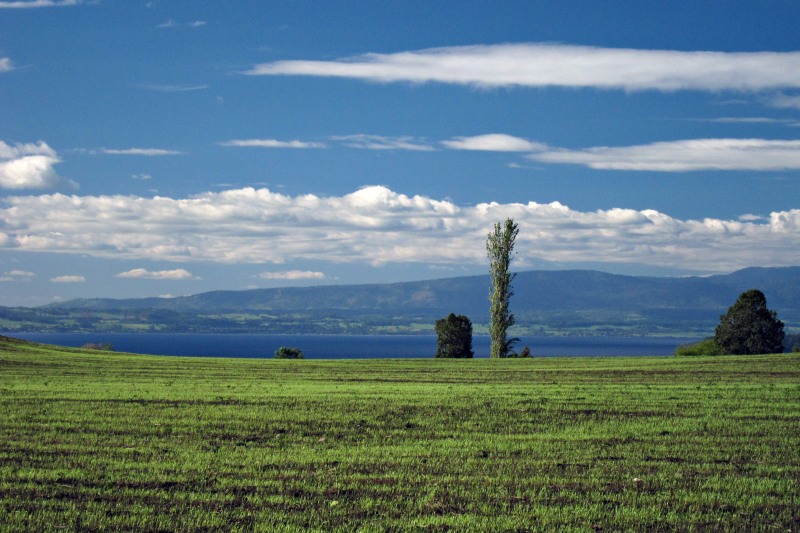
(99, 441)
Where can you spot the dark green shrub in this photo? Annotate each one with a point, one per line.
(525, 353)
(704, 347)
(288, 353)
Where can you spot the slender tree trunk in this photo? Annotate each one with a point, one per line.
(499, 248)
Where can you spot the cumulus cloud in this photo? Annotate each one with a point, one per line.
(141, 273)
(28, 166)
(379, 142)
(24, 4)
(376, 225)
(292, 275)
(684, 155)
(68, 279)
(494, 142)
(272, 143)
(137, 151)
(543, 65)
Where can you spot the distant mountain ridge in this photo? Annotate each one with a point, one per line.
(567, 298)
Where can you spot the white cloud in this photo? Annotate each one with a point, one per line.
(5, 64)
(379, 142)
(272, 143)
(375, 225)
(17, 275)
(543, 65)
(292, 275)
(28, 166)
(23, 4)
(684, 156)
(142, 177)
(137, 151)
(141, 273)
(494, 142)
(68, 279)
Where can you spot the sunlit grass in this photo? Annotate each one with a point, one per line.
(111, 441)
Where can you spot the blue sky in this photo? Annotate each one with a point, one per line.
(165, 148)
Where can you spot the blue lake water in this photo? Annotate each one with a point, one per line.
(348, 346)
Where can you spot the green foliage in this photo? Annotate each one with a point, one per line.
(749, 327)
(500, 248)
(704, 347)
(525, 353)
(454, 337)
(100, 442)
(288, 353)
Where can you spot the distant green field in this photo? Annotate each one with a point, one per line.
(98, 441)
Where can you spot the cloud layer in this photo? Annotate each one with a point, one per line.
(683, 156)
(543, 65)
(375, 226)
(672, 156)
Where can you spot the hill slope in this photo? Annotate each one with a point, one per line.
(547, 302)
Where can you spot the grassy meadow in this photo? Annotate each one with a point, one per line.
(104, 441)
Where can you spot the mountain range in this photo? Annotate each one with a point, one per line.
(544, 302)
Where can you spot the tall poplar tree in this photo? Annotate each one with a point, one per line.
(499, 248)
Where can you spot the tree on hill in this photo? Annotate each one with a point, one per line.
(499, 248)
(454, 337)
(749, 327)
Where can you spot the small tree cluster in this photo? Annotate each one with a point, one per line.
(288, 353)
(454, 337)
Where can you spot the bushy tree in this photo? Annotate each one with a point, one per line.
(288, 353)
(454, 337)
(525, 353)
(500, 248)
(749, 327)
